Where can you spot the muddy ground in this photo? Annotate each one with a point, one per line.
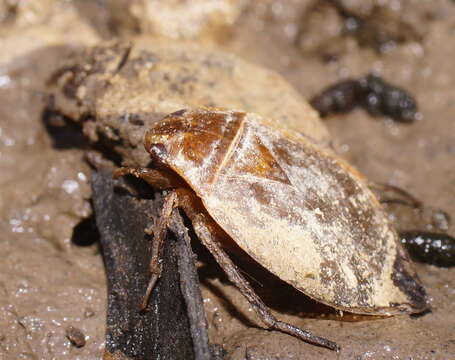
(51, 272)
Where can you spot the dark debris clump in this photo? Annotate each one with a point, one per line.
(430, 248)
(371, 93)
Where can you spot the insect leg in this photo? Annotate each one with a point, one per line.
(159, 236)
(155, 178)
(402, 195)
(211, 243)
(405, 198)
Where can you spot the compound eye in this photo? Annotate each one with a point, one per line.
(158, 152)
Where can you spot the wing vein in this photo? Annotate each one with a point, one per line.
(229, 151)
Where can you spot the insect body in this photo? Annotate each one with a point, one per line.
(294, 207)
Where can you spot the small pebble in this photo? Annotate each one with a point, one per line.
(88, 313)
(76, 336)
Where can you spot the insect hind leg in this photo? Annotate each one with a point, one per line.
(399, 195)
(202, 228)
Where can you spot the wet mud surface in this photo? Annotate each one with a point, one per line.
(53, 278)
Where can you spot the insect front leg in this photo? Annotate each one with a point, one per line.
(204, 232)
(159, 231)
(159, 179)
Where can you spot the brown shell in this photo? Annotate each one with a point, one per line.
(119, 90)
(297, 209)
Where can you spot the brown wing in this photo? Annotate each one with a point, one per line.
(301, 213)
(303, 216)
